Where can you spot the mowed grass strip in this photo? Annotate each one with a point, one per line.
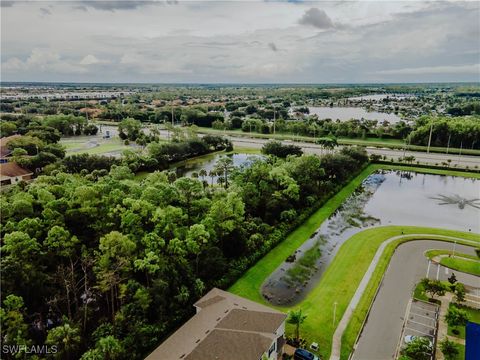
(462, 264)
(432, 253)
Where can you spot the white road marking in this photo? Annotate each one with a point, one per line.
(422, 324)
(421, 332)
(428, 317)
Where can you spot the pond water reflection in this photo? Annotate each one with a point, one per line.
(347, 113)
(208, 164)
(384, 198)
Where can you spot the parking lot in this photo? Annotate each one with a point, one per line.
(421, 320)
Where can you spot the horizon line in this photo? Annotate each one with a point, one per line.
(239, 83)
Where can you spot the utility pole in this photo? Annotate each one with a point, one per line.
(448, 143)
(430, 137)
(274, 119)
(334, 312)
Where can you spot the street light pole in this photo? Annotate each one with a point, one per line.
(454, 246)
(334, 312)
(430, 137)
(274, 119)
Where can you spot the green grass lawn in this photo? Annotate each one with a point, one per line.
(462, 264)
(78, 146)
(461, 352)
(419, 293)
(474, 316)
(432, 253)
(341, 279)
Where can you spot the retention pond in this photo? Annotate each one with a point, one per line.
(384, 198)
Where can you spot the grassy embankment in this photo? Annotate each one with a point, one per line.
(461, 262)
(341, 279)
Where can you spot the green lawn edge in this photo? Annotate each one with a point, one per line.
(462, 264)
(434, 252)
(466, 263)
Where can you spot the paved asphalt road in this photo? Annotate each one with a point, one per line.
(408, 266)
(423, 157)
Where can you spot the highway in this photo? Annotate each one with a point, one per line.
(423, 157)
(461, 161)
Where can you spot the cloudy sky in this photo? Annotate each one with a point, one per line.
(240, 41)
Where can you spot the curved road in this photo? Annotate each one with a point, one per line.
(407, 267)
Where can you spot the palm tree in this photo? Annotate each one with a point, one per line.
(66, 337)
(296, 317)
(212, 174)
(223, 167)
(202, 174)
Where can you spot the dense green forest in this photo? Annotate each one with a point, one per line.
(106, 266)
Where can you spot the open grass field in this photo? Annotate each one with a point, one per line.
(82, 146)
(341, 279)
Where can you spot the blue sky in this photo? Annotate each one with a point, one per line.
(246, 42)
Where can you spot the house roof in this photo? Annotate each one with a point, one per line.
(4, 150)
(10, 169)
(226, 326)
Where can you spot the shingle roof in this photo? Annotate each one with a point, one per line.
(11, 169)
(221, 344)
(226, 326)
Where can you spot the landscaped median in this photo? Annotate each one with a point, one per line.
(469, 264)
(341, 279)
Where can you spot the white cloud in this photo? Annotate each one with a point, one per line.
(473, 69)
(41, 60)
(92, 60)
(237, 41)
